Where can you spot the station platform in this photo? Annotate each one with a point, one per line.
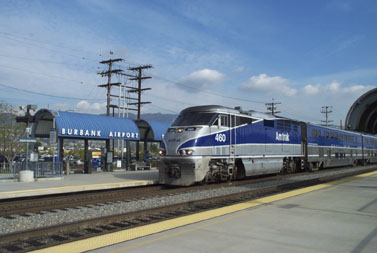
(78, 182)
(339, 216)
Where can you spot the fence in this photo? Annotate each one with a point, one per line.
(41, 169)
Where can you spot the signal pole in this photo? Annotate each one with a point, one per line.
(326, 110)
(272, 107)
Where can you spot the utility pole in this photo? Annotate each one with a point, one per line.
(271, 107)
(326, 110)
(108, 73)
(109, 84)
(139, 90)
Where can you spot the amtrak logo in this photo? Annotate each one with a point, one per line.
(282, 136)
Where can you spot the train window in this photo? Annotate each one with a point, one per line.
(316, 133)
(224, 120)
(194, 118)
(243, 120)
(284, 125)
(268, 123)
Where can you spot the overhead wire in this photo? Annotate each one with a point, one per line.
(48, 95)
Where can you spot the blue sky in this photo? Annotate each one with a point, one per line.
(304, 54)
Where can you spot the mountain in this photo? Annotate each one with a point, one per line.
(161, 117)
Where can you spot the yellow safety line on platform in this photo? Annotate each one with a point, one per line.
(133, 233)
(120, 184)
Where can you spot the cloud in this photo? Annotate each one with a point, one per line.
(95, 108)
(311, 89)
(334, 87)
(202, 79)
(274, 84)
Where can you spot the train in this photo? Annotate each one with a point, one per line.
(215, 143)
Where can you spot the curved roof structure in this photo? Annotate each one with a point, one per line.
(152, 130)
(88, 126)
(73, 125)
(362, 116)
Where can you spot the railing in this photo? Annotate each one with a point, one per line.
(41, 169)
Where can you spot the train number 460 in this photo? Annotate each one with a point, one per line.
(220, 137)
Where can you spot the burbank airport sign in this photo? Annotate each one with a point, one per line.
(97, 133)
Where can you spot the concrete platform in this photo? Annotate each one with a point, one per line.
(78, 182)
(338, 216)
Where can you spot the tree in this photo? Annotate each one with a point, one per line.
(10, 132)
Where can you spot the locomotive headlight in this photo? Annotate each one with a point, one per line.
(189, 152)
(181, 152)
(179, 130)
(162, 152)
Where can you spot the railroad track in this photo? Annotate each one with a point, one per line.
(63, 233)
(36, 204)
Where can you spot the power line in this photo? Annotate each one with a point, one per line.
(162, 108)
(48, 95)
(22, 40)
(208, 92)
(50, 76)
(40, 60)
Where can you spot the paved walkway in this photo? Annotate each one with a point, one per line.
(78, 182)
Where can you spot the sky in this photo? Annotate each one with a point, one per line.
(302, 55)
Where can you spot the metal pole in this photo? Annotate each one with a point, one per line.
(27, 155)
(53, 148)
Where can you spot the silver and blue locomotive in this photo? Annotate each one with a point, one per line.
(215, 143)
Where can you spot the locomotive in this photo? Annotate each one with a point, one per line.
(216, 143)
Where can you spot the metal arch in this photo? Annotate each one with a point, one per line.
(37, 129)
(362, 116)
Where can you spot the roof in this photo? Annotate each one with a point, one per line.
(152, 130)
(88, 126)
(362, 116)
(158, 128)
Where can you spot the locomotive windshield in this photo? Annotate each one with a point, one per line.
(194, 118)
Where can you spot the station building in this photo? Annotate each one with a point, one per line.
(59, 126)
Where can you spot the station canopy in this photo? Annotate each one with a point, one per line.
(88, 126)
(71, 125)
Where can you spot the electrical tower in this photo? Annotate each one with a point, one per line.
(271, 107)
(326, 110)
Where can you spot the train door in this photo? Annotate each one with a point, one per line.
(232, 139)
(304, 142)
(220, 129)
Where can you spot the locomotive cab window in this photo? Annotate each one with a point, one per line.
(243, 120)
(188, 119)
(224, 120)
